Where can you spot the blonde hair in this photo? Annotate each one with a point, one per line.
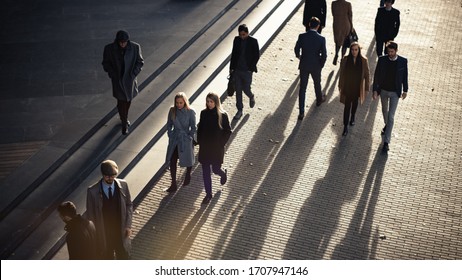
(216, 99)
(186, 103)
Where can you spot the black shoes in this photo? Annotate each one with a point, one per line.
(383, 130)
(385, 147)
(300, 116)
(187, 179)
(335, 60)
(224, 178)
(172, 188)
(124, 130)
(207, 199)
(238, 115)
(345, 131)
(252, 102)
(318, 103)
(352, 121)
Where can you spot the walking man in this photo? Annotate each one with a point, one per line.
(390, 82)
(386, 27)
(81, 233)
(244, 58)
(315, 8)
(109, 206)
(122, 60)
(311, 50)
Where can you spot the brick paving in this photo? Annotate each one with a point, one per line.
(299, 190)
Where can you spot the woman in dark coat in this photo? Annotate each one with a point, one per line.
(353, 83)
(212, 134)
(181, 128)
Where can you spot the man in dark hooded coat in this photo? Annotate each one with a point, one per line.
(122, 60)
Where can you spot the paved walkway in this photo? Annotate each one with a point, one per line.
(299, 190)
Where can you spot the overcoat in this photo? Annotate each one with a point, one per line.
(315, 8)
(343, 20)
(95, 214)
(181, 132)
(211, 137)
(365, 78)
(81, 239)
(386, 24)
(252, 53)
(123, 77)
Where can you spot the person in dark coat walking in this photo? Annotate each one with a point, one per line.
(181, 130)
(386, 27)
(311, 50)
(81, 233)
(122, 60)
(315, 8)
(213, 133)
(244, 58)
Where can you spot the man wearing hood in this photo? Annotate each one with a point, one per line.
(122, 60)
(81, 233)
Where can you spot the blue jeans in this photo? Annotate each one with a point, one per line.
(389, 105)
(207, 176)
(243, 80)
(304, 75)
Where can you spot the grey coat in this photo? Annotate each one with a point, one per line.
(181, 132)
(95, 214)
(124, 85)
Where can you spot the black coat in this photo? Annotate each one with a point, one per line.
(124, 85)
(211, 137)
(81, 239)
(386, 24)
(252, 53)
(315, 8)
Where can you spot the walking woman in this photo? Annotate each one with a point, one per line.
(181, 128)
(343, 25)
(212, 134)
(353, 83)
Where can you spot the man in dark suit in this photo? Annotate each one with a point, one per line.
(244, 58)
(386, 25)
(315, 8)
(311, 50)
(390, 82)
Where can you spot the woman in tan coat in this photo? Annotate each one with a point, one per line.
(353, 83)
(343, 25)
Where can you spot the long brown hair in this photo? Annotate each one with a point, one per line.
(186, 103)
(216, 100)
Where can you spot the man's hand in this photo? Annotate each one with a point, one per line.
(404, 95)
(128, 232)
(375, 95)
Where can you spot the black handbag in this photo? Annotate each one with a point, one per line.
(231, 89)
(352, 37)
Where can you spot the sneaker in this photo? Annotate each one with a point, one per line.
(224, 178)
(238, 115)
(252, 102)
(207, 199)
(125, 130)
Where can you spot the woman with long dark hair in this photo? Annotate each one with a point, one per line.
(213, 132)
(353, 83)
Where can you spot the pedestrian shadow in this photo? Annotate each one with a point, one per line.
(356, 243)
(246, 228)
(319, 217)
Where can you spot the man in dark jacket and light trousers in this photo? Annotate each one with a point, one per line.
(244, 58)
(122, 60)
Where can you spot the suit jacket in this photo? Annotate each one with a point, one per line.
(401, 74)
(94, 212)
(124, 85)
(252, 53)
(315, 8)
(386, 24)
(313, 53)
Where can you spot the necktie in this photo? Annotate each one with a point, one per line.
(110, 193)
